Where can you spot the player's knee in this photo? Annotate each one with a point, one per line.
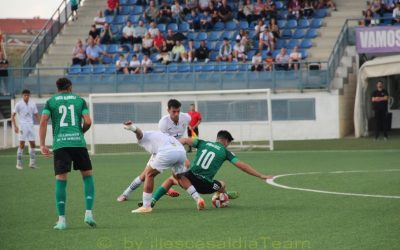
(222, 188)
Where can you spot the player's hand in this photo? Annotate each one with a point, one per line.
(16, 129)
(45, 151)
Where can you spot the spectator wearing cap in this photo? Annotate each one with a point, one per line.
(202, 53)
(225, 51)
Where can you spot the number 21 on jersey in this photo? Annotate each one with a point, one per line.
(63, 110)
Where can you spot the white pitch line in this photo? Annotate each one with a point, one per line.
(273, 183)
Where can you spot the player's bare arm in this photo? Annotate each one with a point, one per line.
(128, 125)
(251, 171)
(37, 117)
(42, 135)
(87, 122)
(187, 141)
(14, 123)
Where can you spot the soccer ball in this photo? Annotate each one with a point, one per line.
(220, 200)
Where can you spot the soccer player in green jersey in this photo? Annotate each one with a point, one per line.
(67, 111)
(208, 160)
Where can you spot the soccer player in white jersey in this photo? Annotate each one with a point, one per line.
(174, 124)
(168, 153)
(26, 110)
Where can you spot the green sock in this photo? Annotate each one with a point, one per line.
(160, 192)
(89, 191)
(61, 196)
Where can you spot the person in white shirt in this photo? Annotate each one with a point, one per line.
(266, 39)
(122, 64)
(174, 124)
(99, 21)
(153, 30)
(239, 52)
(256, 62)
(396, 14)
(294, 58)
(168, 153)
(134, 65)
(127, 33)
(26, 110)
(147, 64)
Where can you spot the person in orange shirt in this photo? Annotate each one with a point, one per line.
(193, 128)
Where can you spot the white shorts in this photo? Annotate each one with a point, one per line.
(27, 132)
(168, 159)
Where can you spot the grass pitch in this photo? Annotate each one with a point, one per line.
(264, 217)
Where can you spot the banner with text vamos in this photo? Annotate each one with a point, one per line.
(379, 39)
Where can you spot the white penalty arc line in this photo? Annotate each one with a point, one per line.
(273, 183)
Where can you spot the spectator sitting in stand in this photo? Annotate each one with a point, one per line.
(294, 9)
(256, 62)
(134, 65)
(308, 9)
(158, 41)
(165, 13)
(269, 62)
(147, 64)
(99, 21)
(388, 5)
(138, 34)
(189, 6)
(396, 14)
(177, 12)
(170, 39)
(191, 50)
(153, 30)
(93, 52)
(152, 12)
(94, 33)
(294, 58)
(274, 28)
(243, 36)
(259, 28)
(246, 11)
(122, 65)
(112, 7)
(147, 44)
(106, 36)
(202, 53)
(266, 40)
(282, 60)
(79, 54)
(225, 11)
(225, 51)
(206, 22)
(164, 55)
(127, 33)
(193, 20)
(179, 52)
(259, 10)
(239, 52)
(205, 5)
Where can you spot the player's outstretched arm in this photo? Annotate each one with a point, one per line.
(187, 141)
(87, 122)
(251, 171)
(42, 135)
(128, 125)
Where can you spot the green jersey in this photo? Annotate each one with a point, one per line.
(66, 110)
(209, 158)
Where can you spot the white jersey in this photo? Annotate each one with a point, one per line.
(156, 141)
(25, 111)
(166, 125)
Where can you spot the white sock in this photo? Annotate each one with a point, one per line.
(61, 219)
(19, 155)
(32, 155)
(192, 191)
(88, 213)
(135, 184)
(147, 199)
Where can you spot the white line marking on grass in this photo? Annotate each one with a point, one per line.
(273, 183)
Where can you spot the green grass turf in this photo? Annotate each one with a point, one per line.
(264, 217)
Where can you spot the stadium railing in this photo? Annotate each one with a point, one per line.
(46, 36)
(210, 76)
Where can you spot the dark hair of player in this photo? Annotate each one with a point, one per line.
(63, 83)
(173, 103)
(26, 91)
(223, 134)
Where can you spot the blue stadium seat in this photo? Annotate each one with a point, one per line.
(280, 43)
(184, 67)
(321, 13)
(251, 53)
(124, 10)
(172, 68)
(201, 36)
(109, 19)
(196, 44)
(116, 29)
(153, 57)
(162, 27)
(159, 68)
(244, 25)
(123, 2)
(87, 69)
(283, 14)
(281, 23)
(225, 34)
(303, 24)
(292, 43)
(299, 34)
(74, 69)
(110, 69)
(231, 26)
(99, 69)
(306, 44)
(137, 10)
(119, 20)
(311, 33)
(208, 68)
(316, 23)
(132, 2)
(218, 26)
(134, 19)
(107, 60)
(173, 26)
(184, 27)
(232, 66)
(125, 48)
(291, 24)
(279, 5)
(113, 49)
(286, 34)
(275, 53)
(191, 35)
(252, 25)
(304, 54)
(214, 54)
(214, 36)
(387, 18)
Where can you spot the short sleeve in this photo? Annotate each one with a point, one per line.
(46, 109)
(162, 125)
(85, 109)
(231, 157)
(16, 108)
(35, 110)
(197, 142)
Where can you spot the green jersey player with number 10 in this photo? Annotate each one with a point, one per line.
(208, 160)
(67, 111)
